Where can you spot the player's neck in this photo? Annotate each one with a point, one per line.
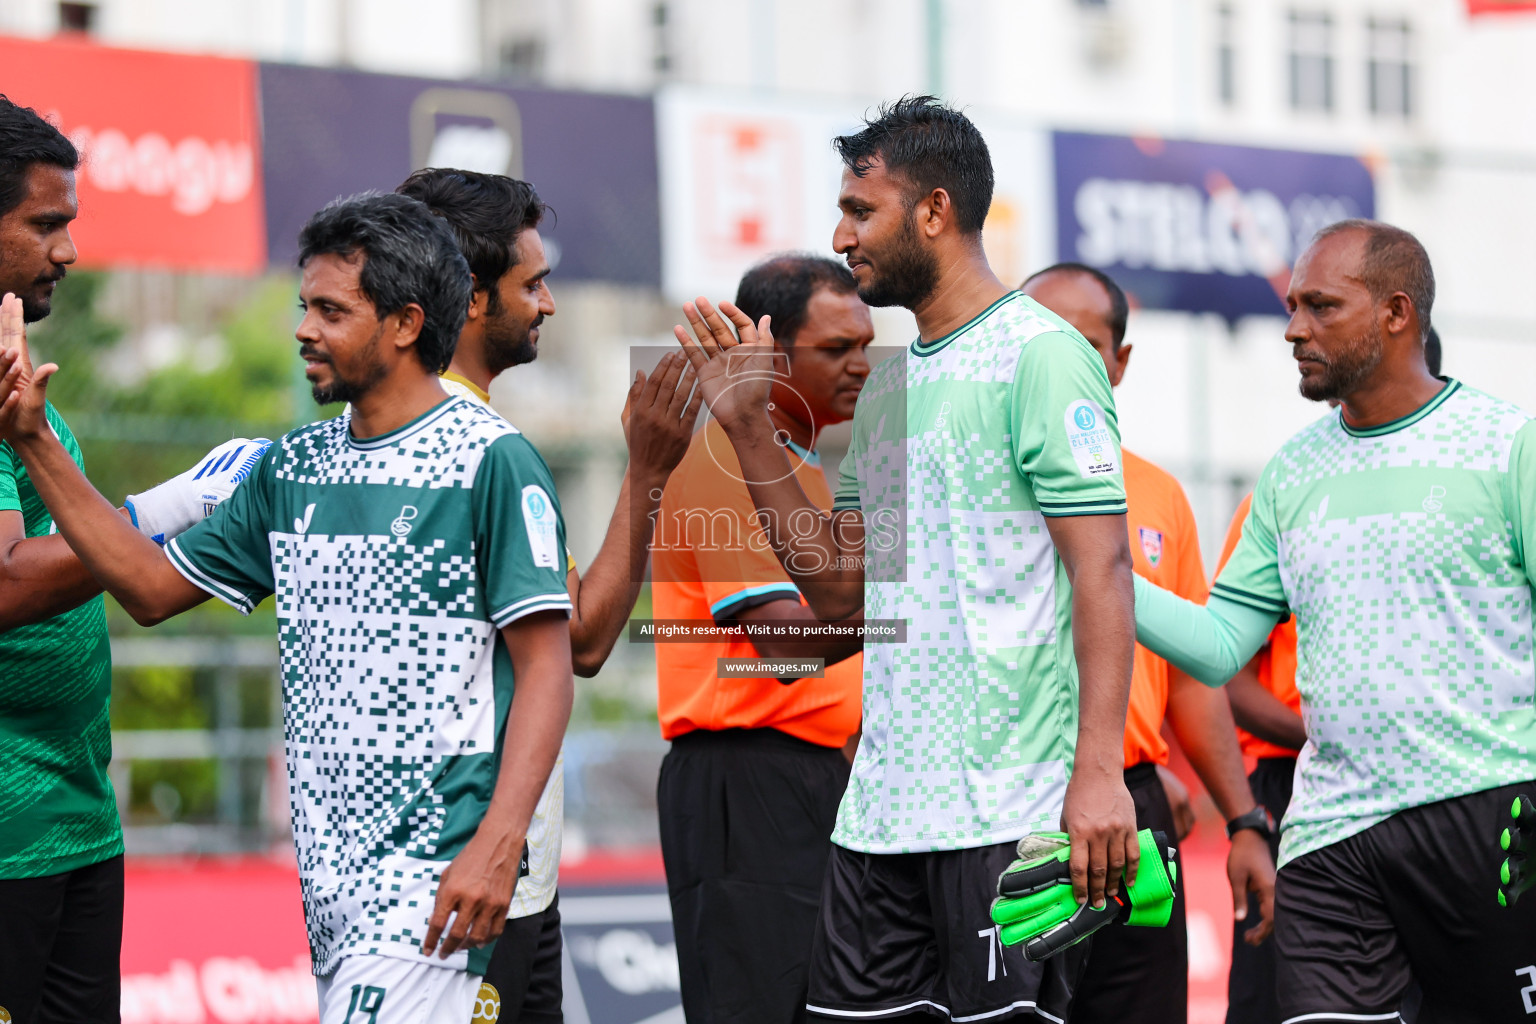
(395, 401)
(1390, 396)
(469, 363)
(965, 288)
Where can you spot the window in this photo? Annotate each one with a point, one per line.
(1389, 67)
(1226, 54)
(77, 17)
(522, 58)
(661, 52)
(1311, 61)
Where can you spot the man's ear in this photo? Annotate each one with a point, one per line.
(1122, 360)
(409, 320)
(934, 212)
(1398, 313)
(480, 301)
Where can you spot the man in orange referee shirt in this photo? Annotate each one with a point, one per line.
(749, 792)
(1142, 974)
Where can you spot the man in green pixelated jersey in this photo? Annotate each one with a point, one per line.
(414, 546)
(982, 502)
(1394, 530)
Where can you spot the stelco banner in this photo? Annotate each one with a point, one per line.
(1195, 226)
(172, 163)
(592, 157)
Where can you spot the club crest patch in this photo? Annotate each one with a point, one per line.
(1152, 545)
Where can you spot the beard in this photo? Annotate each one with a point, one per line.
(370, 371)
(1346, 369)
(35, 308)
(507, 344)
(905, 275)
(38, 304)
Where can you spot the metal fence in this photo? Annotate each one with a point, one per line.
(610, 771)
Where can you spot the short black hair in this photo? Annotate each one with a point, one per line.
(1119, 305)
(27, 139)
(781, 287)
(1394, 261)
(487, 212)
(409, 255)
(932, 146)
(1432, 352)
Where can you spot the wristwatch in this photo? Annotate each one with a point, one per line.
(1258, 819)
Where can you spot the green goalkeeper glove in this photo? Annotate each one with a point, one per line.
(1518, 840)
(1035, 904)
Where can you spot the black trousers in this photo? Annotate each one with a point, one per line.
(1251, 983)
(1139, 974)
(61, 940)
(746, 819)
(526, 969)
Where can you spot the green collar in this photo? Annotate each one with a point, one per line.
(1451, 387)
(928, 348)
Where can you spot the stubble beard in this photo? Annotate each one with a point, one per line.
(341, 389)
(1346, 370)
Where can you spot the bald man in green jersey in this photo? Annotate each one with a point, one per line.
(1394, 530)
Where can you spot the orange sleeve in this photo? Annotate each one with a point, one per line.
(1187, 578)
(1234, 531)
(737, 569)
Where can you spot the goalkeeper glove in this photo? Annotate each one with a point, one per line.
(1518, 840)
(171, 508)
(1035, 904)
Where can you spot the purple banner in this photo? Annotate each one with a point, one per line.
(592, 157)
(1195, 226)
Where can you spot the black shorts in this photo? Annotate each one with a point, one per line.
(1251, 983)
(911, 933)
(61, 940)
(1410, 899)
(525, 968)
(1140, 974)
(746, 819)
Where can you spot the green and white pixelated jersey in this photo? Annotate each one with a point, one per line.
(1402, 552)
(536, 890)
(395, 561)
(961, 448)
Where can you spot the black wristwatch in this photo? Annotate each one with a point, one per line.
(1257, 819)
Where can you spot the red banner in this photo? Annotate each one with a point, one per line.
(222, 941)
(215, 942)
(1476, 7)
(172, 171)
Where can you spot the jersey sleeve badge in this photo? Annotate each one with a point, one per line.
(541, 522)
(1089, 437)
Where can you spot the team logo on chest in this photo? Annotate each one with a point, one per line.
(400, 526)
(1151, 545)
